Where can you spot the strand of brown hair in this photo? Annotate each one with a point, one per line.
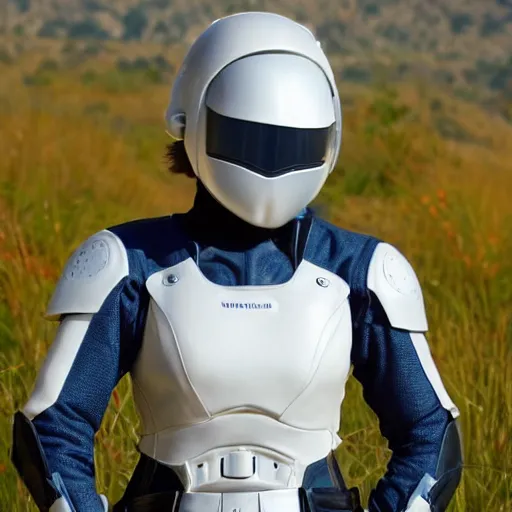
(177, 159)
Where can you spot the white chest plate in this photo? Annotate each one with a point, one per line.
(262, 367)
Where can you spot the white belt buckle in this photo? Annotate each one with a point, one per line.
(254, 471)
(238, 464)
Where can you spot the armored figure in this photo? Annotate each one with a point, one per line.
(239, 320)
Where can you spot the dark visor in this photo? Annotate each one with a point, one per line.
(266, 149)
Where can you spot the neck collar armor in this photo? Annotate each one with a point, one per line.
(208, 223)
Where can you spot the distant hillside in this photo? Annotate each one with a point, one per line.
(463, 44)
(474, 28)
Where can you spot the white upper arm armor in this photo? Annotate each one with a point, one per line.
(90, 274)
(392, 279)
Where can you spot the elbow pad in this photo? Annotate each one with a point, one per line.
(449, 468)
(435, 494)
(47, 490)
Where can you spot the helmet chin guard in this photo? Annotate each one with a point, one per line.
(257, 106)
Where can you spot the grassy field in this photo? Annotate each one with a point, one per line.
(82, 149)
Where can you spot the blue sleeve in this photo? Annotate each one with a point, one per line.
(67, 428)
(410, 414)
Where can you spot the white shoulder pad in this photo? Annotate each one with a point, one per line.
(394, 282)
(89, 276)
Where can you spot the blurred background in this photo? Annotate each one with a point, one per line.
(426, 164)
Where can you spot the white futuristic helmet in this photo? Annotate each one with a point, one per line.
(256, 104)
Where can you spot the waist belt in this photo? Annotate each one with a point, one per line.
(251, 471)
(283, 500)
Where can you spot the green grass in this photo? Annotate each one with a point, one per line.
(77, 157)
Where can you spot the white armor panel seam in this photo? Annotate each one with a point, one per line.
(395, 284)
(146, 401)
(57, 365)
(429, 367)
(178, 445)
(324, 348)
(182, 362)
(90, 274)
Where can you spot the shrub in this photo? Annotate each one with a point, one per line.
(135, 22)
(87, 29)
(460, 22)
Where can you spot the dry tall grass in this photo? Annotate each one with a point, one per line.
(77, 157)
